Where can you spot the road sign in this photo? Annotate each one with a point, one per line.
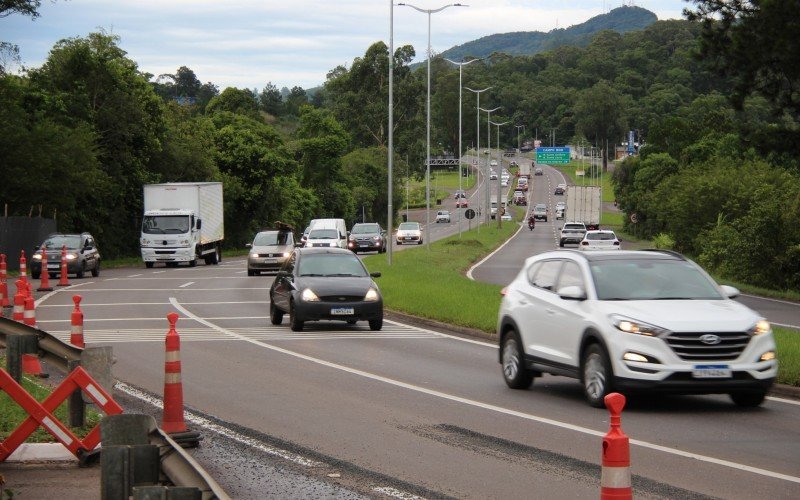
(469, 213)
(558, 155)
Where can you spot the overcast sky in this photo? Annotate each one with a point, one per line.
(247, 43)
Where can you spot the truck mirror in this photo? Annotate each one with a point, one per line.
(199, 223)
(248, 245)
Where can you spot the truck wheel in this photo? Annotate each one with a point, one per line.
(217, 256)
(193, 262)
(148, 265)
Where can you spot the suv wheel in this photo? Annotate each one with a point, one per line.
(516, 375)
(596, 375)
(81, 271)
(275, 314)
(96, 270)
(748, 399)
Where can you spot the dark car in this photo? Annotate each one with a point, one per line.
(325, 284)
(367, 237)
(559, 190)
(82, 255)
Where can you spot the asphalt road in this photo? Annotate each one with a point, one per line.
(408, 411)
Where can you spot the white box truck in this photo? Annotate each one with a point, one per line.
(583, 205)
(183, 222)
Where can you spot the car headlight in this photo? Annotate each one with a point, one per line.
(37, 256)
(371, 296)
(253, 255)
(761, 328)
(308, 295)
(286, 254)
(637, 327)
(71, 256)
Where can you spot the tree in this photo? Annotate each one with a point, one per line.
(601, 114)
(296, 99)
(239, 101)
(24, 7)
(270, 100)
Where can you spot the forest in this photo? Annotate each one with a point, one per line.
(718, 172)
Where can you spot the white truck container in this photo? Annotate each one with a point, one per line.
(525, 169)
(183, 222)
(583, 205)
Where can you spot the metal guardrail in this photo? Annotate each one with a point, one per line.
(177, 464)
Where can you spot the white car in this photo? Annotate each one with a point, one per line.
(600, 240)
(632, 321)
(506, 217)
(409, 232)
(442, 216)
(492, 175)
(493, 163)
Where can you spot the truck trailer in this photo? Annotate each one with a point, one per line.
(583, 205)
(183, 222)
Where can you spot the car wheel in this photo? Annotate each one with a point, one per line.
(419, 242)
(81, 271)
(53, 275)
(96, 270)
(275, 314)
(748, 399)
(352, 321)
(250, 272)
(376, 324)
(596, 375)
(295, 324)
(35, 275)
(516, 375)
(561, 243)
(148, 265)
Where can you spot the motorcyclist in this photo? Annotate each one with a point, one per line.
(531, 222)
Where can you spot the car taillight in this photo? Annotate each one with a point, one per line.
(616, 242)
(503, 291)
(585, 243)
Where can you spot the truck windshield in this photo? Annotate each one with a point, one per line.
(165, 224)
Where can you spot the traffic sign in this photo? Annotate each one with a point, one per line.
(559, 155)
(469, 213)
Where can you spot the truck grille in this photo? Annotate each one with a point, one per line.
(689, 346)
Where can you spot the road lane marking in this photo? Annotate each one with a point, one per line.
(106, 290)
(158, 272)
(469, 273)
(783, 400)
(165, 303)
(186, 284)
(796, 327)
(102, 320)
(486, 406)
(134, 275)
(770, 299)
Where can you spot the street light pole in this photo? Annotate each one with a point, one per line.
(478, 138)
(518, 127)
(460, 174)
(488, 161)
(390, 209)
(428, 127)
(499, 184)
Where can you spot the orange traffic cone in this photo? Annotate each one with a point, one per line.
(23, 267)
(4, 301)
(44, 285)
(63, 281)
(76, 335)
(29, 314)
(172, 417)
(615, 480)
(31, 365)
(19, 302)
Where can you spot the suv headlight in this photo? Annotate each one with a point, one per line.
(308, 295)
(371, 296)
(761, 328)
(628, 325)
(71, 256)
(37, 256)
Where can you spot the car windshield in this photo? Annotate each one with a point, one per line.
(323, 234)
(56, 242)
(335, 265)
(409, 226)
(651, 279)
(271, 238)
(365, 229)
(165, 224)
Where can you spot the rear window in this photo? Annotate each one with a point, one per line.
(601, 236)
(409, 226)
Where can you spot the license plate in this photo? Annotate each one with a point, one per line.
(364, 244)
(53, 267)
(270, 261)
(711, 371)
(342, 311)
(408, 238)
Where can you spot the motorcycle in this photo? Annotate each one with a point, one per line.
(531, 224)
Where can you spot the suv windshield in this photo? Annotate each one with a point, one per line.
(651, 279)
(326, 264)
(323, 234)
(56, 242)
(165, 224)
(271, 238)
(365, 229)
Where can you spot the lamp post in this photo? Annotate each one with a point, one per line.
(428, 127)
(499, 184)
(460, 174)
(518, 127)
(390, 209)
(478, 136)
(488, 160)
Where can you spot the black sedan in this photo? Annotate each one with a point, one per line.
(325, 284)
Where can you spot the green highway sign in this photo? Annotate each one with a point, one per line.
(552, 155)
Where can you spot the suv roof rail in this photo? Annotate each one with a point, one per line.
(666, 251)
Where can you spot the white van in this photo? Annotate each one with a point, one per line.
(327, 233)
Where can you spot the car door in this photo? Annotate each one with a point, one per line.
(536, 318)
(567, 316)
(283, 285)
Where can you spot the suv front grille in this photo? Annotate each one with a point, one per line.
(689, 347)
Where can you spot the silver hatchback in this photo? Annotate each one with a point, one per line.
(269, 250)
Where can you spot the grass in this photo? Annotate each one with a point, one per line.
(788, 342)
(11, 414)
(606, 185)
(432, 284)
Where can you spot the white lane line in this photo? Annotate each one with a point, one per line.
(102, 320)
(439, 334)
(186, 284)
(198, 278)
(469, 273)
(490, 407)
(783, 400)
(240, 272)
(134, 275)
(106, 290)
(796, 327)
(771, 299)
(58, 290)
(158, 272)
(165, 303)
(223, 431)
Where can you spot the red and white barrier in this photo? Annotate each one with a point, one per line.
(64, 280)
(76, 320)
(172, 417)
(4, 300)
(29, 313)
(23, 267)
(19, 302)
(615, 480)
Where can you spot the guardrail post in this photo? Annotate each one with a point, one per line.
(98, 361)
(166, 493)
(128, 459)
(75, 404)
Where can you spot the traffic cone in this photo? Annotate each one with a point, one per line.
(23, 267)
(4, 302)
(64, 280)
(615, 480)
(76, 335)
(29, 314)
(44, 285)
(31, 365)
(172, 417)
(19, 302)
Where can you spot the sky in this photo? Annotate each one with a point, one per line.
(247, 43)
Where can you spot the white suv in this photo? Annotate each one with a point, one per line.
(632, 321)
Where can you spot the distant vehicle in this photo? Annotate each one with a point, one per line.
(540, 212)
(504, 182)
(600, 240)
(572, 232)
(442, 216)
(409, 232)
(561, 204)
(311, 284)
(558, 190)
(183, 222)
(560, 213)
(646, 321)
(269, 250)
(520, 198)
(462, 203)
(493, 207)
(304, 238)
(506, 217)
(493, 163)
(82, 255)
(492, 175)
(524, 170)
(538, 171)
(583, 205)
(522, 184)
(460, 194)
(336, 239)
(366, 237)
